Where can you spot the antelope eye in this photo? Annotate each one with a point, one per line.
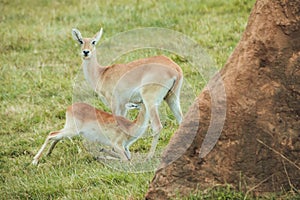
(80, 41)
(93, 42)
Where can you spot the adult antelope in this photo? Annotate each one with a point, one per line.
(148, 81)
(98, 126)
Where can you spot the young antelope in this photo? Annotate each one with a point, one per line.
(98, 126)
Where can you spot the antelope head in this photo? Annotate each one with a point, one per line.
(88, 45)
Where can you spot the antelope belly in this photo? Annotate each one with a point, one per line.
(95, 133)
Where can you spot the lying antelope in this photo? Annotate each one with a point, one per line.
(148, 81)
(98, 126)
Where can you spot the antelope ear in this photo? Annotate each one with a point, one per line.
(97, 37)
(77, 35)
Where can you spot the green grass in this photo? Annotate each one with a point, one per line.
(39, 63)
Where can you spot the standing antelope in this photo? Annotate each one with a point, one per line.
(148, 81)
(99, 126)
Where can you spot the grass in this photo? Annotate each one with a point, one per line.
(40, 62)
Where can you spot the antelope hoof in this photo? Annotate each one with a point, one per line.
(149, 156)
(35, 162)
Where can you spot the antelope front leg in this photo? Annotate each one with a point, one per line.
(153, 146)
(156, 127)
(119, 107)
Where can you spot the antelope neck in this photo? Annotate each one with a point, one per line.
(91, 69)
